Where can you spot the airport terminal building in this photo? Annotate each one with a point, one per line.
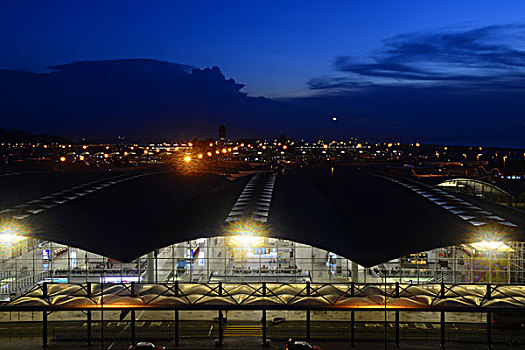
(321, 236)
(306, 225)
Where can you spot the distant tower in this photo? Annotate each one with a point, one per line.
(222, 133)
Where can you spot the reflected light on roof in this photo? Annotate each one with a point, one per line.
(492, 246)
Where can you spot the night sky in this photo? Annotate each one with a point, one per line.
(434, 71)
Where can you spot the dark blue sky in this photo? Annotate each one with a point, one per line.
(437, 71)
(274, 47)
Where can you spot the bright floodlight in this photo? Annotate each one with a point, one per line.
(246, 241)
(187, 159)
(10, 234)
(246, 234)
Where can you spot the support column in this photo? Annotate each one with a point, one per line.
(307, 325)
(307, 312)
(397, 329)
(442, 329)
(68, 264)
(176, 315)
(133, 335)
(220, 328)
(264, 317)
(156, 255)
(176, 327)
(44, 318)
(396, 294)
(220, 315)
(489, 331)
(102, 315)
(355, 271)
(172, 263)
(352, 328)
(44, 329)
(264, 327)
(89, 336)
(150, 272)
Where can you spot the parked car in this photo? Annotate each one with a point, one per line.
(143, 345)
(300, 345)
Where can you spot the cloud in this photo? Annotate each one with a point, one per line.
(482, 57)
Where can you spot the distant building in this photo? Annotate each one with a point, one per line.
(222, 133)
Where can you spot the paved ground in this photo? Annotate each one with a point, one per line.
(238, 335)
(243, 343)
(247, 315)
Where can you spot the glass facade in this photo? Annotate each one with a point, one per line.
(255, 259)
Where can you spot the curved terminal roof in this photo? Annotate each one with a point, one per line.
(363, 217)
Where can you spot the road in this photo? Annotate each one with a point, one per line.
(247, 335)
